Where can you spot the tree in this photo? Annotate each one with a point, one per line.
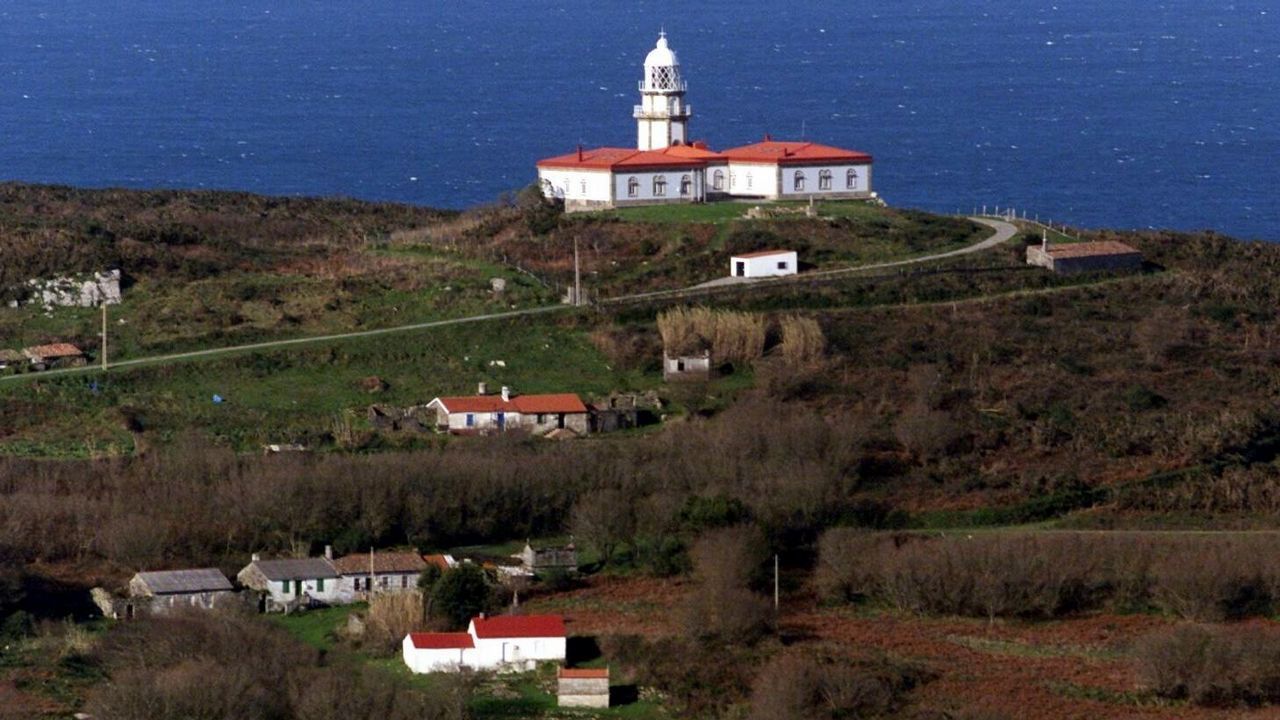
(460, 594)
(604, 520)
(723, 606)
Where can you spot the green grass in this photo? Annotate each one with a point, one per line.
(300, 394)
(317, 628)
(724, 212)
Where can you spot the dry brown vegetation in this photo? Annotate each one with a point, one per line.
(1212, 666)
(222, 666)
(1047, 575)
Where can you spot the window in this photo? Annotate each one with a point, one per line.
(404, 582)
(686, 185)
(471, 420)
(297, 587)
(357, 584)
(319, 584)
(542, 418)
(660, 186)
(733, 179)
(383, 582)
(717, 180)
(749, 178)
(824, 180)
(851, 179)
(798, 183)
(633, 187)
(583, 187)
(782, 265)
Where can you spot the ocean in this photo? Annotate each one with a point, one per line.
(1099, 113)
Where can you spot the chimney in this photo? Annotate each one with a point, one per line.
(255, 557)
(506, 394)
(328, 552)
(482, 388)
(481, 616)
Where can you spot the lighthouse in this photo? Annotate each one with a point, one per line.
(662, 117)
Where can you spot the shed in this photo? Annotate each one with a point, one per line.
(542, 559)
(166, 590)
(765, 263)
(1066, 258)
(691, 366)
(583, 687)
(11, 359)
(54, 355)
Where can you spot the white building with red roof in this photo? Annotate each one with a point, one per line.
(537, 414)
(666, 167)
(506, 642)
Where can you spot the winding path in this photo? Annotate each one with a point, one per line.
(1003, 232)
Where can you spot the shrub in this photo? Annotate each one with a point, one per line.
(1215, 666)
(460, 594)
(827, 687)
(1048, 575)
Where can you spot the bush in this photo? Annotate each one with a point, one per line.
(460, 594)
(1215, 666)
(1032, 575)
(827, 687)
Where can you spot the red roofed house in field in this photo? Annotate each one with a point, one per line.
(507, 642)
(537, 414)
(666, 167)
(43, 357)
(1066, 258)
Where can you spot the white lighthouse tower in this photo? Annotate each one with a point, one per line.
(662, 116)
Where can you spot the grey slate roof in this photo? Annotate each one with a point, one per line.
(169, 582)
(296, 569)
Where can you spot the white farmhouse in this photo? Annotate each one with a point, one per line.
(293, 582)
(507, 642)
(667, 167)
(765, 263)
(537, 414)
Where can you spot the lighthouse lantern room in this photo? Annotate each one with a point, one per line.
(662, 117)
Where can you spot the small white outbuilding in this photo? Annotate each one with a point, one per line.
(765, 263)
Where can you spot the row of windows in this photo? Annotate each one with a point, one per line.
(824, 180)
(717, 183)
(659, 186)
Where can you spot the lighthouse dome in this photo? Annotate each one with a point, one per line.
(661, 55)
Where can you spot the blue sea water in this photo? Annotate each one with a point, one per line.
(1123, 113)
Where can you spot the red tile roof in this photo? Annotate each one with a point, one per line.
(764, 253)
(794, 153)
(519, 626)
(584, 673)
(526, 404)
(1091, 249)
(437, 560)
(629, 159)
(442, 641)
(55, 350)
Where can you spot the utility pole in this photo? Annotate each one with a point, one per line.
(104, 334)
(577, 275)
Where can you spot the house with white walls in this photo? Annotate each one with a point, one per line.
(666, 166)
(505, 642)
(764, 263)
(293, 582)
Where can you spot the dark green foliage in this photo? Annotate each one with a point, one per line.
(460, 594)
(1140, 398)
